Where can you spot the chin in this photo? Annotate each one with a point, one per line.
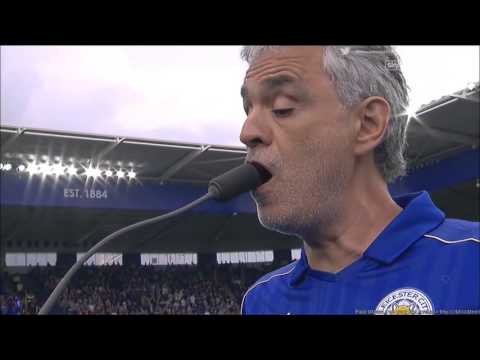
(279, 222)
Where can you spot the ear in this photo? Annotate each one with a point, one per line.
(373, 115)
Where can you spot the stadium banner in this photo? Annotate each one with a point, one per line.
(22, 189)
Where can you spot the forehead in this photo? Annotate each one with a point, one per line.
(299, 62)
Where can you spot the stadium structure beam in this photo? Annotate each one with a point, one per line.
(108, 148)
(469, 96)
(19, 132)
(435, 106)
(208, 162)
(172, 170)
(465, 98)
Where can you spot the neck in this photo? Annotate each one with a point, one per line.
(363, 213)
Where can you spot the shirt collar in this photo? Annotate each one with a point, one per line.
(419, 216)
(299, 271)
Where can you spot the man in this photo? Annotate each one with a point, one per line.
(329, 124)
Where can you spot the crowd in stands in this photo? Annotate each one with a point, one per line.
(146, 289)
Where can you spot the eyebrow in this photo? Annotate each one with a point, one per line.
(275, 83)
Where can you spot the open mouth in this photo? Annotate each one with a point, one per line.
(263, 171)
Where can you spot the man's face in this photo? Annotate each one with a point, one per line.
(298, 129)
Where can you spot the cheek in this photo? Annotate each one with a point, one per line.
(329, 143)
(322, 147)
(310, 149)
(320, 160)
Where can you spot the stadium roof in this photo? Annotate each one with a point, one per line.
(444, 126)
(160, 161)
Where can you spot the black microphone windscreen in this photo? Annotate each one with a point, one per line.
(243, 178)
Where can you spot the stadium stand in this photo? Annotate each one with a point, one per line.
(136, 290)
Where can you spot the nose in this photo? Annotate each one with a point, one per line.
(255, 130)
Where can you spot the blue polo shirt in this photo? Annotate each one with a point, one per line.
(422, 263)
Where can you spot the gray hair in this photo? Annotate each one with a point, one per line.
(359, 72)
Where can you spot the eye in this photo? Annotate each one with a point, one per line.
(282, 112)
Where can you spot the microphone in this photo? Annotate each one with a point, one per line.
(243, 178)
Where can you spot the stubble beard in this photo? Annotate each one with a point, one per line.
(304, 203)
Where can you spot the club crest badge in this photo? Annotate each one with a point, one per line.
(405, 301)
